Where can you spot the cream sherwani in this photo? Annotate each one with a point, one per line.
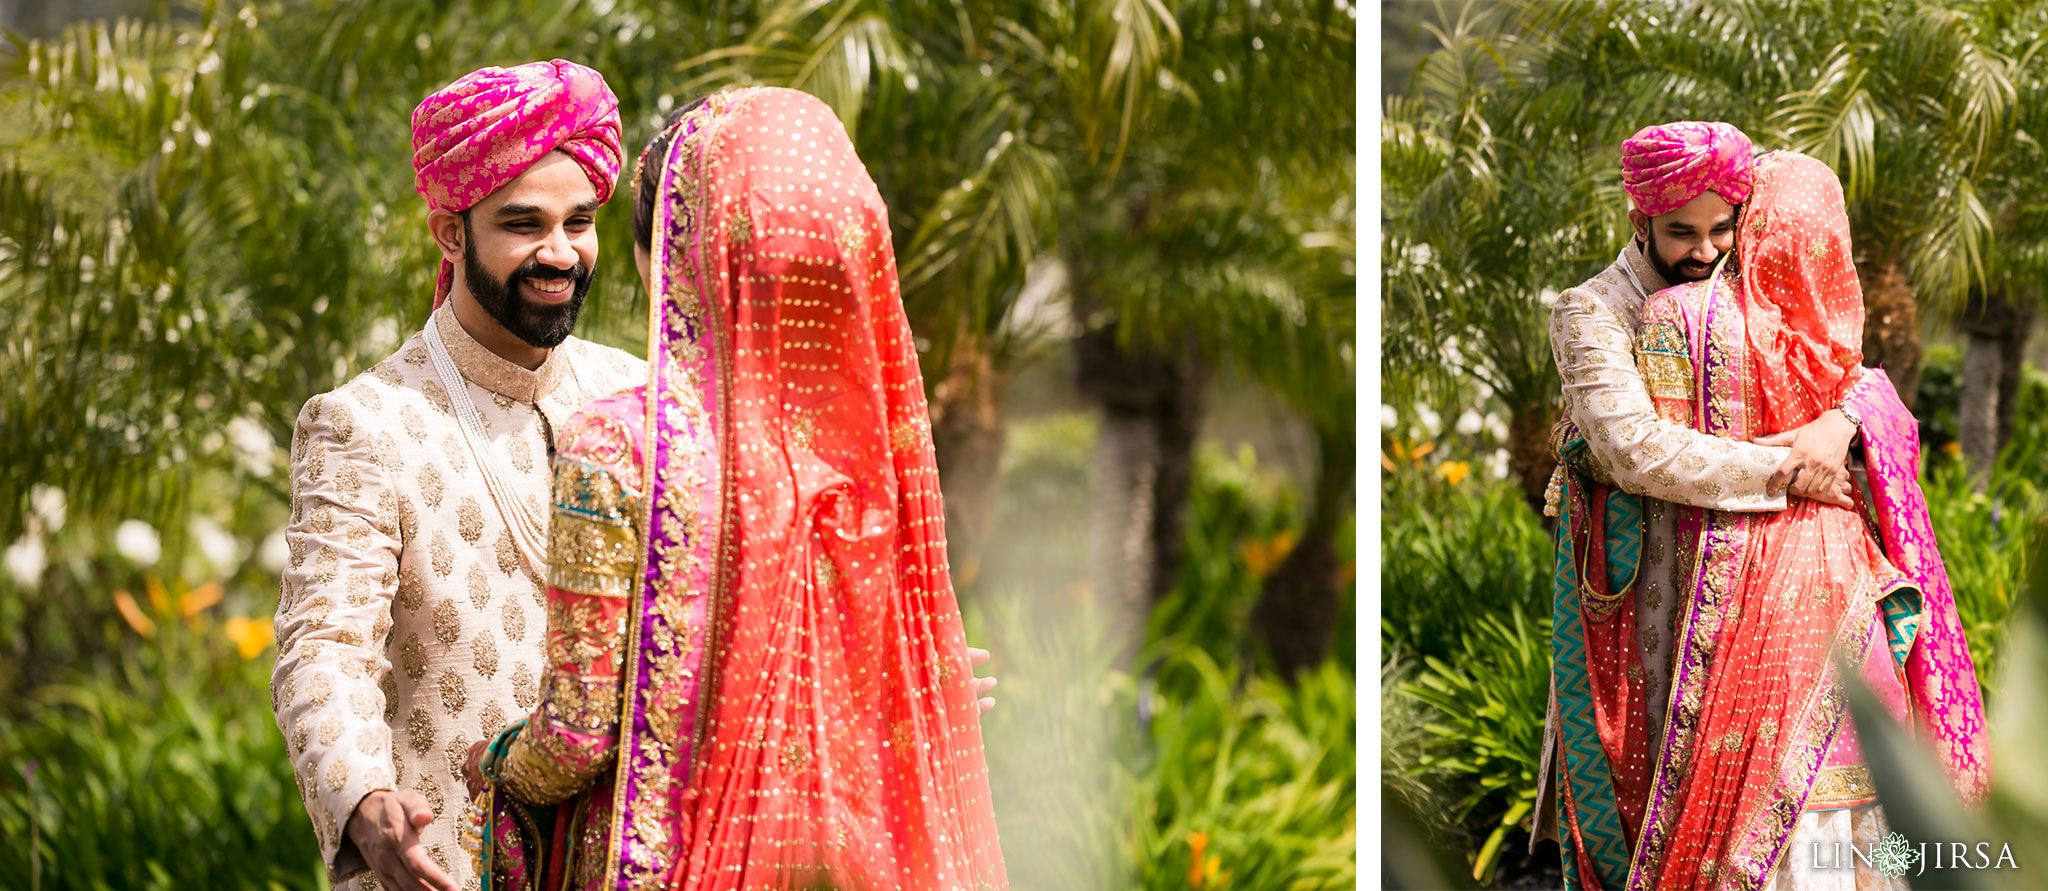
(410, 625)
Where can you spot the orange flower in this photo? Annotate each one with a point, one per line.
(1424, 449)
(1454, 472)
(1197, 871)
(1262, 556)
(1952, 448)
(132, 613)
(251, 637)
(199, 598)
(159, 599)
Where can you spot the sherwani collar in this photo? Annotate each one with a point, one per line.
(1638, 260)
(493, 372)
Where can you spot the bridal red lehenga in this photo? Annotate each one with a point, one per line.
(758, 673)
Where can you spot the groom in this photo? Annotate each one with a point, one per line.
(411, 620)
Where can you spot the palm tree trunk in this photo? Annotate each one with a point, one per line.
(2025, 305)
(1996, 324)
(1151, 402)
(1891, 326)
(968, 435)
(1529, 455)
(1299, 604)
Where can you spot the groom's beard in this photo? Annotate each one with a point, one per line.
(1679, 273)
(538, 324)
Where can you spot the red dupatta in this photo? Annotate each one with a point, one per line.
(838, 740)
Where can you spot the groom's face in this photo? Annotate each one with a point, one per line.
(1684, 244)
(531, 247)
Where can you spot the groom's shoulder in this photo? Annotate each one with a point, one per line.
(386, 389)
(1606, 291)
(610, 368)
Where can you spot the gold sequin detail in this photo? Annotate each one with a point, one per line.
(454, 692)
(447, 624)
(492, 717)
(415, 426)
(342, 422)
(455, 450)
(484, 654)
(508, 554)
(525, 688)
(319, 689)
(479, 587)
(443, 554)
(413, 657)
(437, 397)
(430, 486)
(419, 730)
(412, 590)
(514, 620)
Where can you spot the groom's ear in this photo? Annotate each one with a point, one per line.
(450, 235)
(1640, 222)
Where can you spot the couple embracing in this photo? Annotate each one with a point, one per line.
(674, 622)
(1740, 523)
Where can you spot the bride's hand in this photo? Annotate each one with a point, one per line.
(1818, 467)
(472, 767)
(982, 686)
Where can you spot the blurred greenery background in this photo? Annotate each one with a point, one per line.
(1502, 122)
(1126, 236)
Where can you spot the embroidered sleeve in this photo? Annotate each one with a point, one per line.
(594, 543)
(1666, 361)
(329, 686)
(1608, 397)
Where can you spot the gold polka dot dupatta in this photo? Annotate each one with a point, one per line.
(830, 729)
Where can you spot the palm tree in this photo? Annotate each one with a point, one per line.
(1132, 129)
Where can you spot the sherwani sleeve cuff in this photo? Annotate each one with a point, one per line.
(1608, 399)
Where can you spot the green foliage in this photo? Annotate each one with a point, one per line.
(1106, 780)
(1453, 554)
(1485, 735)
(165, 772)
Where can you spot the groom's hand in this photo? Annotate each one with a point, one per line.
(1818, 467)
(386, 828)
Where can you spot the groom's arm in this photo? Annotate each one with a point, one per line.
(333, 614)
(1607, 398)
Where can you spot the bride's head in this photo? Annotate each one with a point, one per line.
(646, 184)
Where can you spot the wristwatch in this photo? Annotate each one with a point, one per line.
(1854, 419)
(1850, 412)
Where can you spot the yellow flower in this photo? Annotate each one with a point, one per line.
(132, 614)
(1454, 472)
(251, 637)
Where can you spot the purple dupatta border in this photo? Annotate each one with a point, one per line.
(669, 619)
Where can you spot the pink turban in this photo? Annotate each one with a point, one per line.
(1666, 166)
(483, 131)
